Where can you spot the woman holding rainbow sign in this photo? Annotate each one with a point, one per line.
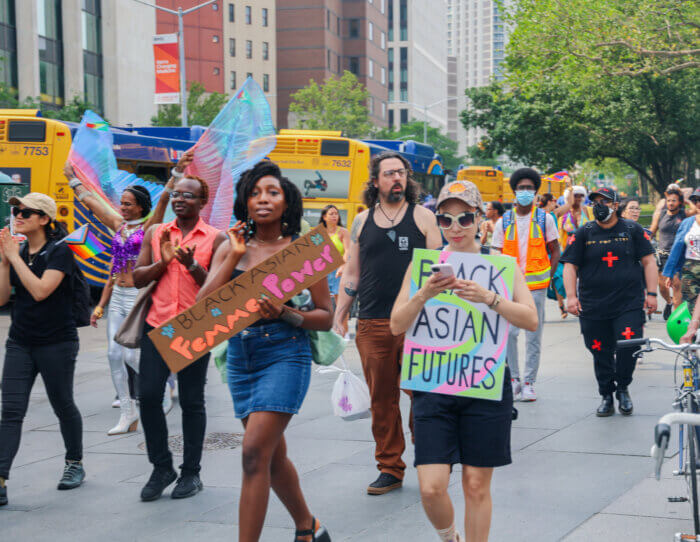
(452, 429)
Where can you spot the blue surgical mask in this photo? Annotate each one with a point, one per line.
(524, 197)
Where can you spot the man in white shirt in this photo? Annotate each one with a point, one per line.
(530, 235)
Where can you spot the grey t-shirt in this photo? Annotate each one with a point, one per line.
(668, 226)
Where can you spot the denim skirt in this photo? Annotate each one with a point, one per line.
(333, 283)
(268, 368)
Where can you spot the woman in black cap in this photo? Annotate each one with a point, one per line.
(119, 291)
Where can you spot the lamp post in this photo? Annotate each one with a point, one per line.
(425, 112)
(180, 13)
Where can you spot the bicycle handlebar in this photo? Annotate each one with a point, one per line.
(650, 341)
(632, 342)
(662, 434)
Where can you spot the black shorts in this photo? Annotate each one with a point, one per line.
(662, 258)
(449, 429)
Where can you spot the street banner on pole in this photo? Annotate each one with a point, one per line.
(455, 347)
(233, 307)
(167, 69)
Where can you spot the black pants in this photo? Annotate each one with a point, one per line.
(153, 374)
(613, 366)
(56, 364)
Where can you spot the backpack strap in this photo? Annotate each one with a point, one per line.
(507, 219)
(541, 218)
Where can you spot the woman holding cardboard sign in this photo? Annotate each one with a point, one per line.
(269, 362)
(445, 426)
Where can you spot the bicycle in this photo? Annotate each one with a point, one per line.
(687, 405)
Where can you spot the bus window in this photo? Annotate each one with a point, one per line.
(320, 183)
(156, 174)
(334, 147)
(27, 131)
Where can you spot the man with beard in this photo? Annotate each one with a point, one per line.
(614, 263)
(382, 240)
(666, 222)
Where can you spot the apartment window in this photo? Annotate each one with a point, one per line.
(370, 105)
(216, 71)
(266, 50)
(215, 7)
(355, 65)
(370, 68)
(382, 6)
(354, 28)
(390, 17)
(232, 47)
(383, 75)
(404, 116)
(391, 74)
(215, 39)
(328, 19)
(383, 110)
(233, 80)
(50, 51)
(370, 31)
(93, 81)
(248, 15)
(8, 46)
(383, 41)
(328, 58)
(403, 19)
(248, 74)
(248, 49)
(231, 19)
(264, 16)
(337, 25)
(391, 118)
(266, 82)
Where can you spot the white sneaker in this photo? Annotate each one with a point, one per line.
(529, 394)
(517, 389)
(116, 403)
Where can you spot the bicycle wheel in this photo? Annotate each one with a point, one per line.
(691, 475)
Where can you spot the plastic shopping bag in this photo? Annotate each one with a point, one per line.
(350, 396)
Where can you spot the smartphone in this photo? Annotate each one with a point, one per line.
(445, 269)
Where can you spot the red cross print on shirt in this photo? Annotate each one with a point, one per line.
(610, 259)
(647, 236)
(596, 345)
(628, 333)
(571, 240)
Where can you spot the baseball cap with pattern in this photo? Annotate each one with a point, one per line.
(38, 202)
(462, 190)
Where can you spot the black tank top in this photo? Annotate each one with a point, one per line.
(384, 257)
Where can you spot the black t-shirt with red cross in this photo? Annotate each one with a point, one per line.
(611, 277)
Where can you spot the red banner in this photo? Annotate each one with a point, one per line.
(165, 53)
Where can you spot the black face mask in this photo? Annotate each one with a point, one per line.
(602, 212)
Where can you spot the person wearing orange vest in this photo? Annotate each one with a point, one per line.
(530, 235)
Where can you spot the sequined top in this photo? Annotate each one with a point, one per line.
(126, 251)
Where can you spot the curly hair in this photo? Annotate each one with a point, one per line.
(202, 185)
(291, 218)
(370, 195)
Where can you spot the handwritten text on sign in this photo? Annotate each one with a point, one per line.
(234, 306)
(455, 347)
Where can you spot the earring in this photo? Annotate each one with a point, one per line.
(284, 225)
(250, 227)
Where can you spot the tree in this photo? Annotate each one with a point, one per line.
(443, 145)
(201, 109)
(71, 112)
(337, 104)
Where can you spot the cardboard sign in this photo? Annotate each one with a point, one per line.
(233, 307)
(455, 347)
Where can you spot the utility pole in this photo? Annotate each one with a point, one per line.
(180, 13)
(425, 112)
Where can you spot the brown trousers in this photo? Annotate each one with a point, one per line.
(381, 352)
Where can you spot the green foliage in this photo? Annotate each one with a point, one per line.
(201, 109)
(71, 112)
(337, 104)
(442, 144)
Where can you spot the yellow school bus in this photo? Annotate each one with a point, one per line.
(488, 180)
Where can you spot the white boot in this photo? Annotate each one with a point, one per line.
(129, 419)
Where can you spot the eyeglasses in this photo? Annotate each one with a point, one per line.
(25, 213)
(186, 195)
(445, 220)
(389, 173)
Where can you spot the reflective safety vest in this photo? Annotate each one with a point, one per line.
(537, 266)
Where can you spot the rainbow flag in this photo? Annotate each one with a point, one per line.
(83, 242)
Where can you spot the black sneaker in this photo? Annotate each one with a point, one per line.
(667, 311)
(385, 483)
(159, 480)
(607, 407)
(187, 486)
(3, 493)
(73, 475)
(624, 402)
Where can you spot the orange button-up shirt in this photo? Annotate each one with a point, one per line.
(177, 289)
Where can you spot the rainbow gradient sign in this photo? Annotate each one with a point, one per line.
(455, 347)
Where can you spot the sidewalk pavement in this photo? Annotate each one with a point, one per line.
(574, 476)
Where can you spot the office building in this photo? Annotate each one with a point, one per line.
(323, 38)
(476, 38)
(59, 49)
(417, 62)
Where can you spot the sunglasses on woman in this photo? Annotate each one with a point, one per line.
(445, 220)
(25, 213)
(185, 195)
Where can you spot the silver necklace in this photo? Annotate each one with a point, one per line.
(392, 220)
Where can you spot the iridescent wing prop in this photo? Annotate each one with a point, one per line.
(94, 163)
(241, 135)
